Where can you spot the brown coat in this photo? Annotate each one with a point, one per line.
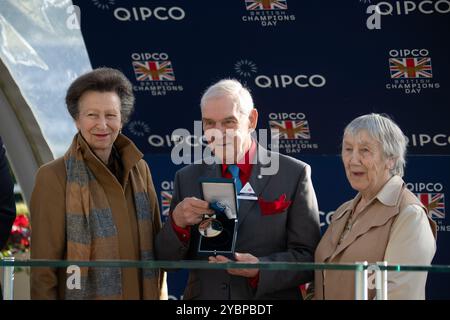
(48, 214)
(366, 241)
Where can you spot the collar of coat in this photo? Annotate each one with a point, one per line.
(383, 207)
(126, 149)
(389, 195)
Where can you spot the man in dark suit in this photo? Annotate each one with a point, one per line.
(279, 223)
(7, 202)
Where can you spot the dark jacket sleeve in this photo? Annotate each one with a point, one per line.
(7, 202)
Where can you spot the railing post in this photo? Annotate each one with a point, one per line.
(8, 280)
(361, 281)
(381, 281)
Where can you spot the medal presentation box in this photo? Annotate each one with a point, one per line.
(221, 194)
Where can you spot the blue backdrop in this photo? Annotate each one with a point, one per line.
(312, 66)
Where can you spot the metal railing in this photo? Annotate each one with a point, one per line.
(361, 270)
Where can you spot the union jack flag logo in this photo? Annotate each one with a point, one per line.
(153, 70)
(166, 198)
(290, 129)
(266, 5)
(435, 204)
(410, 68)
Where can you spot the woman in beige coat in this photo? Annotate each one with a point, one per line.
(384, 222)
(97, 202)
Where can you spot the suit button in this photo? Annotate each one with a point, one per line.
(224, 286)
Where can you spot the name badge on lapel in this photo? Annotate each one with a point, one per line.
(247, 193)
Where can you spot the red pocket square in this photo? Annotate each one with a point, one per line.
(274, 207)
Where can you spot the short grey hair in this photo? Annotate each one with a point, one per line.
(233, 89)
(387, 133)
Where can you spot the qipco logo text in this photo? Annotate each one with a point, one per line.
(408, 7)
(167, 185)
(400, 53)
(284, 81)
(287, 116)
(425, 187)
(145, 13)
(147, 56)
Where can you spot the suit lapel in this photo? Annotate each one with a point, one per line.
(212, 171)
(205, 171)
(258, 182)
(377, 215)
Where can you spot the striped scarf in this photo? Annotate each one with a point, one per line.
(92, 233)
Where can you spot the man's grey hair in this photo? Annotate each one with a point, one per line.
(232, 89)
(387, 133)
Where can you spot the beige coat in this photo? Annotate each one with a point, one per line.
(48, 214)
(392, 227)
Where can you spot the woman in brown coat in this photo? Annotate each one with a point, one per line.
(384, 222)
(97, 202)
